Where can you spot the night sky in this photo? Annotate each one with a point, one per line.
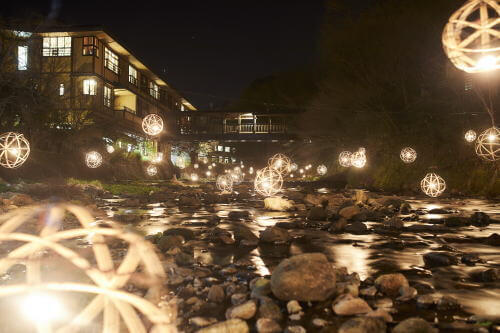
(210, 51)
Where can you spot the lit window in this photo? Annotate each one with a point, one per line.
(61, 89)
(89, 87)
(221, 159)
(228, 149)
(110, 60)
(132, 75)
(22, 34)
(22, 58)
(182, 107)
(220, 148)
(56, 46)
(233, 160)
(107, 96)
(153, 90)
(90, 46)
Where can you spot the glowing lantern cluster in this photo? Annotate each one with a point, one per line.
(268, 182)
(470, 136)
(321, 169)
(408, 155)
(14, 150)
(433, 185)
(152, 170)
(224, 183)
(93, 159)
(152, 124)
(345, 159)
(281, 163)
(471, 36)
(488, 144)
(358, 159)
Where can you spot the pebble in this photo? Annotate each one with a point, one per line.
(242, 311)
(216, 294)
(295, 329)
(390, 284)
(293, 307)
(349, 305)
(266, 325)
(228, 326)
(363, 325)
(202, 321)
(414, 325)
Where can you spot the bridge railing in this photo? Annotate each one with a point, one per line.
(254, 128)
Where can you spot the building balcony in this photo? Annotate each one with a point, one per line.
(254, 128)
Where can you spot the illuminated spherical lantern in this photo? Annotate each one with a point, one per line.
(358, 159)
(224, 183)
(14, 150)
(281, 163)
(408, 155)
(236, 175)
(268, 182)
(152, 170)
(152, 124)
(470, 136)
(110, 149)
(194, 177)
(321, 169)
(471, 36)
(433, 185)
(488, 144)
(208, 174)
(345, 159)
(93, 159)
(250, 170)
(196, 166)
(293, 167)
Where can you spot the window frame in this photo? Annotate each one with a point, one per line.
(25, 56)
(92, 46)
(91, 88)
(154, 90)
(109, 58)
(131, 78)
(51, 50)
(107, 100)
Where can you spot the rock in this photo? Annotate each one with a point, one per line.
(405, 208)
(360, 196)
(347, 288)
(390, 284)
(447, 303)
(189, 201)
(21, 199)
(216, 294)
(318, 322)
(238, 215)
(317, 214)
(439, 259)
(293, 307)
(470, 259)
(388, 201)
(357, 228)
(295, 329)
(493, 239)
(228, 326)
(349, 305)
(349, 212)
(394, 223)
(245, 236)
(127, 218)
(407, 293)
(187, 234)
(414, 325)
(369, 292)
(479, 219)
(184, 259)
(425, 301)
(380, 313)
(266, 325)
(242, 311)
(278, 204)
(274, 235)
(167, 242)
(260, 287)
(338, 226)
(456, 221)
(238, 298)
(269, 309)
(202, 321)
(295, 195)
(305, 277)
(363, 325)
(488, 275)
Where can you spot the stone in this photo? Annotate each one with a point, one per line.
(295, 195)
(488, 275)
(369, 292)
(493, 239)
(390, 284)
(184, 259)
(414, 325)
(394, 223)
(269, 309)
(228, 326)
(274, 235)
(216, 294)
(381, 313)
(456, 221)
(242, 311)
(127, 218)
(187, 234)
(245, 236)
(405, 208)
(304, 277)
(293, 307)
(238, 298)
(350, 288)
(167, 242)
(338, 226)
(447, 303)
(238, 215)
(349, 212)
(425, 301)
(439, 259)
(266, 325)
(357, 228)
(260, 287)
(479, 219)
(407, 293)
(21, 199)
(361, 196)
(318, 322)
(193, 201)
(363, 325)
(202, 321)
(317, 214)
(278, 204)
(349, 305)
(295, 329)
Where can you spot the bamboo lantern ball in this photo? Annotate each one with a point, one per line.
(470, 136)
(345, 159)
(224, 183)
(93, 159)
(152, 170)
(488, 144)
(293, 167)
(268, 182)
(103, 275)
(152, 124)
(281, 163)
(110, 149)
(321, 169)
(358, 159)
(433, 185)
(471, 38)
(14, 150)
(408, 155)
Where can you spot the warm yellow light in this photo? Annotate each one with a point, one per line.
(487, 144)
(209, 167)
(208, 173)
(408, 155)
(321, 169)
(301, 170)
(152, 124)
(250, 170)
(268, 182)
(280, 163)
(224, 183)
(93, 159)
(14, 150)
(194, 177)
(470, 136)
(42, 308)
(151, 170)
(110, 149)
(358, 159)
(345, 159)
(433, 185)
(486, 63)
(213, 164)
(196, 166)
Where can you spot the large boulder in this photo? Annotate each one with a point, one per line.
(278, 204)
(439, 259)
(317, 214)
(390, 284)
(414, 325)
(305, 277)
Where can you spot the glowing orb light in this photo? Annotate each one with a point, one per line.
(152, 170)
(488, 144)
(433, 185)
(93, 159)
(293, 167)
(196, 166)
(470, 136)
(358, 159)
(42, 307)
(268, 182)
(236, 175)
(224, 183)
(408, 155)
(281, 163)
(14, 150)
(213, 164)
(158, 158)
(110, 149)
(194, 177)
(321, 169)
(345, 159)
(208, 173)
(250, 170)
(301, 170)
(471, 36)
(152, 124)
